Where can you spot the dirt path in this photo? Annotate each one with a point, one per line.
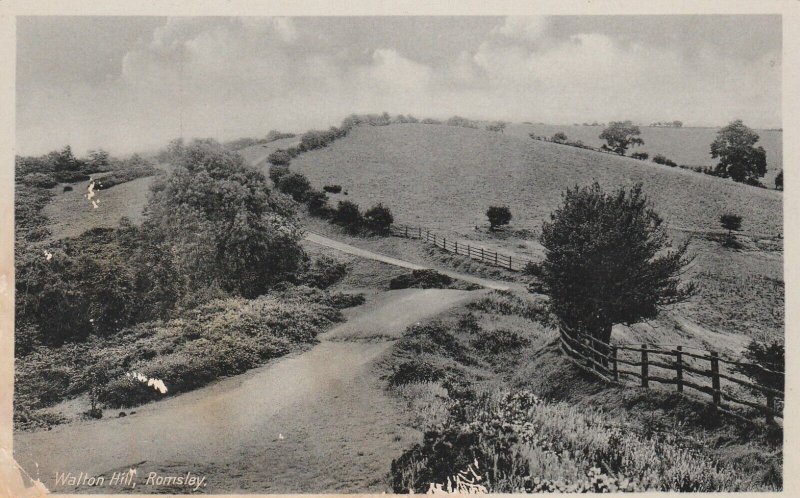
(341, 246)
(318, 421)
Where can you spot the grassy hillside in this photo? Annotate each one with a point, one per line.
(445, 177)
(688, 146)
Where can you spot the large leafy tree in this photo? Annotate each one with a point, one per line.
(619, 135)
(215, 221)
(608, 260)
(739, 158)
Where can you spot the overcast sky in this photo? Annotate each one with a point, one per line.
(128, 84)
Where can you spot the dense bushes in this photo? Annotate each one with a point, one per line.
(276, 172)
(295, 185)
(322, 273)
(348, 215)
(38, 180)
(332, 189)
(317, 203)
(642, 156)
(462, 122)
(422, 279)
(279, 158)
(378, 218)
(127, 170)
(661, 159)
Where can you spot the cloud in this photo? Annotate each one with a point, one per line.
(523, 28)
(230, 77)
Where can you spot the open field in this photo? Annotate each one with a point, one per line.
(445, 177)
(689, 146)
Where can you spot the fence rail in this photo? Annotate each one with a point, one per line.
(451, 244)
(674, 366)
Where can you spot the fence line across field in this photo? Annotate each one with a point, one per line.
(607, 360)
(451, 244)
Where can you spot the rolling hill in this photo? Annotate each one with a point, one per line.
(445, 177)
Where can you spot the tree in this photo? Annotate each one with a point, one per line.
(317, 202)
(378, 218)
(279, 158)
(739, 159)
(560, 137)
(498, 215)
(213, 223)
(779, 181)
(497, 126)
(619, 135)
(730, 222)
(348, 214)
(770, 355)
(608, 260)
(294, 184)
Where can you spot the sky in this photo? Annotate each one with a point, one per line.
(130, 84)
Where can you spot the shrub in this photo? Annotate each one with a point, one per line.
(342, 300)
(415, 371)
(642, 156)
(276, 172)
(421, 279)
(559, 137)
(779, 181)
(499, 341)
(771, 355)
(498, 215)
(431, 121)
(39, 180)
(348, 215)
(730, 222)
(460, 121)
(323, 273)
(332, 189)
(68, 176)
(279, 158)
(661, 159)
(127, 170)
(277, 135)
(295, 185)
(317, 203)
(378, 218)
(67, 188)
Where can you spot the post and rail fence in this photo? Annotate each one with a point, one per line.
(451, 244)
(673, 365)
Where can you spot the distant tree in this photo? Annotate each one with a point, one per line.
(378, 218)
(497, 126)
(560, 137)
(677, 124)
(779, 181)
(279, 158)
(349, 215)
(619, 135)
(730, 222)
(498, 215)
(739, 159)
(317, 202)
(608, 261)
(296, 185)
(98, 160)
(642, 156)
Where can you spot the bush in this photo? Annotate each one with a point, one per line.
(559, 137)
(341, 300)
(279, 158)
(779, 181)
(421, 279)
(661, 159)
(323, 273)
(415, 371)
(498, 215)
(460, 121)
(642, 156)
(277, 135)
(276, 172)
(770, 355)
(125, 171)
(67, 188)
(39, 180)
(348, 215)
(317, 203)
(332, 189)
(378, 218)
(499, 341)
(295, 185)
(67, 176)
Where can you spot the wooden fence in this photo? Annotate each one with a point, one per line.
(702, 371)
(451, 244)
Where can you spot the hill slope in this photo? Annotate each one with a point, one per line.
(446, 177)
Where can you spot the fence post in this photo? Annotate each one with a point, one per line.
(645, 382)
(509, 263)
(614, 363)
(482, 259)
(420, 232)
(679, 369)
(456, 247)
(434, 239)
(715, 376)
(495, 259)
(406, 231)
(770, 407)
(444, 243)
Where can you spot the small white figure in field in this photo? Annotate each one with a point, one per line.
(280, 436)
(91, 193)
(48, 255)
(156, 384)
